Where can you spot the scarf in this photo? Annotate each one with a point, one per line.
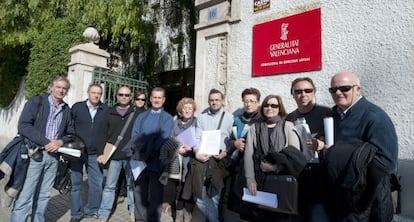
(270, 139)
(248, 118)
(179, 126)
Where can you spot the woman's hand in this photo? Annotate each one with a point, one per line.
(240, 144)
(252, 188)
(184, 149)
(267, 167)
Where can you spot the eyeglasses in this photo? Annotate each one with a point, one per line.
(140, 99)
(341, 88)
(274, 106)
(300, 91)
(249, 102)
(124, 95)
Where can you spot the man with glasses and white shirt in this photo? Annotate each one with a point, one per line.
(358, 121)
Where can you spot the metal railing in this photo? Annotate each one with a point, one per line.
(111, 81)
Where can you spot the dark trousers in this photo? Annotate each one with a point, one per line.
(148, 196)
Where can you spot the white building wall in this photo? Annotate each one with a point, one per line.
(372, 38)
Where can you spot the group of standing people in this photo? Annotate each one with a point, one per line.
(179, 176)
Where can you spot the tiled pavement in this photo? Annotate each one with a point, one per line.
(58, 211)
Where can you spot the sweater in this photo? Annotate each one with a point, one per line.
(366, 122)
(152, 125)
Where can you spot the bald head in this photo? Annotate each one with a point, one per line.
(345, 89)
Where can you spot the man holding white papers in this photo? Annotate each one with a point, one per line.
(45, 120)
(88, 118)
(205, 180)
(303, 91)
(358, 121)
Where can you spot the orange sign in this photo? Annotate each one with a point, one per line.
(288, 45)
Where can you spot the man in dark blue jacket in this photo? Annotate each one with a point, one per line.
(45, 120)
(88, 119)
(359, 121)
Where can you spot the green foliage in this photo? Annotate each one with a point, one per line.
(123, 25)
(114, 19)
(50, 53)
(13, 63)
(17, 18)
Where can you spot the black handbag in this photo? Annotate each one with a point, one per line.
(286, 189)
(63, 183)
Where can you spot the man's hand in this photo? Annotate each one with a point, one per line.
(221, 155)
(100, 159)
(315, 144)
(202, 157)
(53, 146)
(252, 188)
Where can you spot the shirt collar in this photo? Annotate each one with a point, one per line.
(90, 106)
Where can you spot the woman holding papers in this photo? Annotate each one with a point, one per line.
(184, 132)
(242, 122)
(270, 135)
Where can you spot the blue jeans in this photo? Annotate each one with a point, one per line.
(95, 179)
(111, 181)
(209, 205)
(36, 190)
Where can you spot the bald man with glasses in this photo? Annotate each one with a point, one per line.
(358, 121)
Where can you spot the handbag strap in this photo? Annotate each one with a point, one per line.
(121, 135)
(221, 120)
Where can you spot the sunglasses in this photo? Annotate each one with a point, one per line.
(124, 95)
(300, 91)
(341, 88)
(274, 106)
(140, 99)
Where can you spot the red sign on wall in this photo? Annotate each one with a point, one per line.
(287, 45)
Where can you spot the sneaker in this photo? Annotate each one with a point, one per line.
(93, 215)
(132, 216)
(75, 219)
(120, 199)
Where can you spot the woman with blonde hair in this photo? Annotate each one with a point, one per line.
(184, 133)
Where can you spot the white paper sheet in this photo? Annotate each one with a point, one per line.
(234, 130)
(210, 142)
(137, 167)
(329, 131)
(262, 198)
(187, 137)
(70, 151)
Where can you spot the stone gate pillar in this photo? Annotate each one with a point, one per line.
(83, 59)
(215, 19)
